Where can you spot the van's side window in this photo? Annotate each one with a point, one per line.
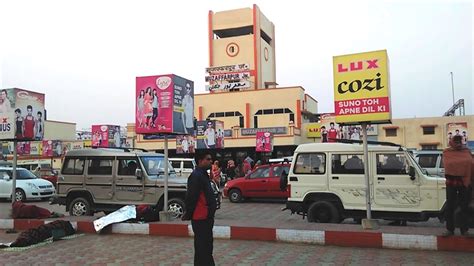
(100, 166)
(188, 165)
(127, 166)
(176, 165)
(310, 163)
(73, 166)
(392, 164)
(347, 164)
(427, 160)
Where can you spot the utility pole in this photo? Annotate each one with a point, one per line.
(452, 85)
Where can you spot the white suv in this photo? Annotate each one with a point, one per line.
(28, 186)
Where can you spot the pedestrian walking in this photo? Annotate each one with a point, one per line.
(458, 164)
(200, 209)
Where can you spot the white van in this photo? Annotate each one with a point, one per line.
(327, 184)
(183, 166)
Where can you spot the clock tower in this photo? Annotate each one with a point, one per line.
(241, 51)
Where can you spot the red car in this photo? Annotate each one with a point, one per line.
(263, 182)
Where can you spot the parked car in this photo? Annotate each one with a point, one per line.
(431, 161)
(28, 186)
(263, 182)
(183, 166)
(95, 180)
(48, 174)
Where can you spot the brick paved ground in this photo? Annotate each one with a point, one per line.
(136, 250)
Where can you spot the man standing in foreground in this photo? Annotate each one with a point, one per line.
(200, 209)
(457, 163)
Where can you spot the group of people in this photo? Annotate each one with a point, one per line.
(332, 134)
(28, 126)
(232, 169)
(147, 108)
(457, 132)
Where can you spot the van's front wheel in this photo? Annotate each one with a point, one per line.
(176, 208)
(323, 212)
(80, 207)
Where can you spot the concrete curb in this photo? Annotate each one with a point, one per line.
(335, 238)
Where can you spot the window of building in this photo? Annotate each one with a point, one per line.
(347, 164)
(220, 114)
(268, 111)
(292, 118)
(390, 132)
(224, 114)
(278, 111)
(429, 147)
(73, 166)
(100, 166)
(427, 160)
(310, 163)
(392, 164)
(428, 130)
(241, 121)
(229, 114)
(127, 166)
(255, 121)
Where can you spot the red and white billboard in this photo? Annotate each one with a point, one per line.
(100, 136)
(47, 149)
(264, 142)
(164, 104)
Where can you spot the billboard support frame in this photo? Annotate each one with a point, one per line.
(165, 215)
(367, 223)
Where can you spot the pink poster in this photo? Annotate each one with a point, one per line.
(264, 142)
(154, 104)
(47, 149)
(23, 148)
(100, 136)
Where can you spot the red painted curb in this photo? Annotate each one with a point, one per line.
(354, 239)
(26, 224)
(252, 233)
(455, 243)
(85, 227)
(169, 230)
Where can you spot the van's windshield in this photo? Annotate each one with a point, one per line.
(154, 166)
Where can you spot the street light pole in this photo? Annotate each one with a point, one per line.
(452, 85)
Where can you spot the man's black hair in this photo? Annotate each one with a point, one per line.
(323, 127)
(201, 155)
(4, 90)
(17, 110)
(40, 113)
(332, 124)
(29, 107)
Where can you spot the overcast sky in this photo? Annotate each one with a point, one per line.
(85, 56)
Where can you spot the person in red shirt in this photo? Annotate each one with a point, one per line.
(332, 133)
(29, 124)
(201, 206)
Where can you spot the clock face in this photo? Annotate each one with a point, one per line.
(232, 49)
(265, 53)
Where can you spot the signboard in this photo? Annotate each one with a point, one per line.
(253, 131)
(313, 130)
(100, 136)
(21, 114)
(264, 142)
(47, 149)
(185, 144)
(23, 148)
(35, 148)
(164, 104)
(362, 88)
(228, 76)
(219, 135)
(228, 69)
(457, 129)
(57, 148)
(229, 86)
(210, 134)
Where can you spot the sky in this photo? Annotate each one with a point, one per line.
(85, 55)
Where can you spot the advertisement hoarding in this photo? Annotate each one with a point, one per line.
(264, 142)
(23, 148)
(185, 144)
(100, 136)
(362, 88)
(47, 148)
(328, 130)
(164, 104)
(21, 114)
(210, 134)
(457, 129)
(313, 130)
(35, 148)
